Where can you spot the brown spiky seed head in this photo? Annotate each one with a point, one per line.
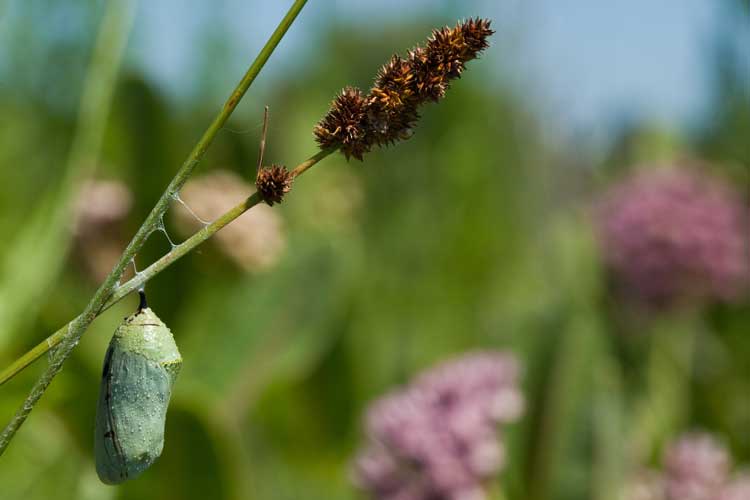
(273, 183)
(355, 123)
(343, 126)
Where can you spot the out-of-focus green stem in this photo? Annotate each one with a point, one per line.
(659, 415)
(610, 463)
(92, 115)
(79, 325)
(37, 251)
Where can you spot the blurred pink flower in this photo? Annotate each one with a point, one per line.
(439, 437)
(696, 466)
(100, 210)
(737, 489)
(670, 234)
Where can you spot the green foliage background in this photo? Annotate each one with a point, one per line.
(473, 234)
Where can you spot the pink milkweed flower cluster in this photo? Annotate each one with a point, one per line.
(670, 235)
(438, 438)
(696, 467)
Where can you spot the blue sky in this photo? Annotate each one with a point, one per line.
(589, 61)
(585, 63)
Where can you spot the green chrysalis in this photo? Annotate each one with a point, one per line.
(140, 366)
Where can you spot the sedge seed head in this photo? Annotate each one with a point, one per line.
(356, 123)
(273, 183)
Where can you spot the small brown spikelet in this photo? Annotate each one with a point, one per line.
(429, 84)
(476, 32)
(389, 124)
(273, 183)
(446, 52)
(356, 123)
(392, 103)
(394, 85)
(343, 126)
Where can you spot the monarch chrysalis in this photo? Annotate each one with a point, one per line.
(140, 366)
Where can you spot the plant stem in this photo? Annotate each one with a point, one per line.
(302, 167)
(151, 271)
(44, 238)
(96, 305)
(660, 414)
(610, 464)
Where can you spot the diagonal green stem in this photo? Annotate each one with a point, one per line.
(79, 325)
(160, 265)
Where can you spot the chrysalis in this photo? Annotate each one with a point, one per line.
(140, 366)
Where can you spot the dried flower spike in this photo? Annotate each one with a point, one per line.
(273, 183)
(355, 123)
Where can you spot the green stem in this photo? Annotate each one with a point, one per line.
(661, 413)
(44, 236)
(610, 463)
(96, 305)
(160, 265)
(561, 399)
